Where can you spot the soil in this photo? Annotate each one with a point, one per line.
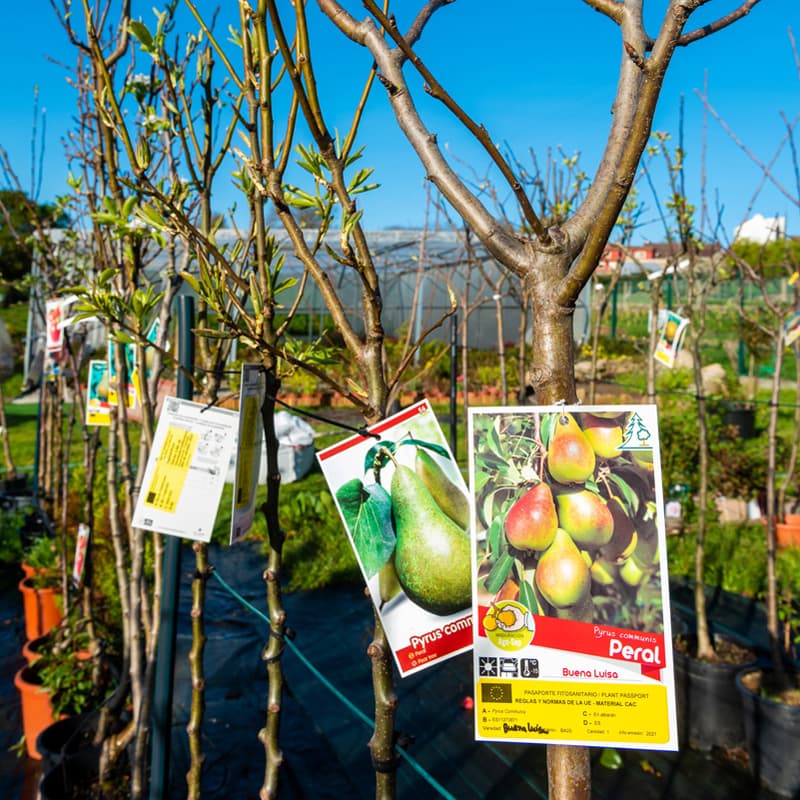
(727, 651)
(767, 687)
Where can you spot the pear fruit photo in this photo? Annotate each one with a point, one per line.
(450, 498)
(604, 435)
(562, 575)
(570, 457)
(433, 553)
(532, 521)
(585, 516)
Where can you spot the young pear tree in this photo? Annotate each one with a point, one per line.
(555, 262)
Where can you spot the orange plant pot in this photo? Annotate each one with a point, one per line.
(31, 650)
(27, 570)
(37, 711)
(787, 535)
(43, 609)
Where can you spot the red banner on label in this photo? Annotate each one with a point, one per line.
(622, 644)
(437, 643)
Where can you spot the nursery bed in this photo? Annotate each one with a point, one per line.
(324, 744)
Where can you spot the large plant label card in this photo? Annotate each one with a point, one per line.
(405, 508)
(253, 387)
(572, 637)
(186, 470)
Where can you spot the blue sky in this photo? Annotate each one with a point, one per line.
(538, 75)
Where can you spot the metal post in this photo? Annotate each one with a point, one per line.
(453, 386)
(742, 366)
(165, 654)
(614, 311)
(36, 456)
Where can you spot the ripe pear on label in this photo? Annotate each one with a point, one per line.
(604, 571)
(570, 457)
(388, 582)
(432, 554)
(604, 435)
(562, 575)
(606, 414)
(631, 572)
(646, 551)
(447, 494)
(625, 536)
(508, 591)
(531, 522)
(643, 459)
(586, 517)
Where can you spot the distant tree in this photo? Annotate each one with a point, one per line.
(19, 218)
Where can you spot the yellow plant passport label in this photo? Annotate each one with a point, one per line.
(171, 469)
(601, 712)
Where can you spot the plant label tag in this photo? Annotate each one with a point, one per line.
(404, 505)
(248, 454)
(570, 575)
(185, 472)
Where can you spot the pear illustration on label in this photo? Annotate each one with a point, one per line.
(432, 556)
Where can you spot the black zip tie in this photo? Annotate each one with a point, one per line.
(404, 740)
(362, 431)
(385, 765)
(278, 655)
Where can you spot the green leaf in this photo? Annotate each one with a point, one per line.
(629, 496)
(500, 571)
(150, 216)
(528, 598)
(610, 758)
(139, 30)
(436, 448)
(368, 513)
(495, 535)
(548, 426)
(377, 456)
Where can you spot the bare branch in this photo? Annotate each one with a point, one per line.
(611, 9)
(634, 55)
(504, 246)
(723, 22)
(765, 168)
(435, 89)
(422, 19)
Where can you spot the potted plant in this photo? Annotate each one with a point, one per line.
(65, 676)
(41, 589)
(37, 709)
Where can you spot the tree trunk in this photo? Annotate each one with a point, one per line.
(772, 578)
(277, 615)
(553, 380)
(705, 646)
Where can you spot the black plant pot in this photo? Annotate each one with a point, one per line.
(66, 737)
(741, 420)
(709, 705)
(773, 736)
(71, 777)
(14, 486)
